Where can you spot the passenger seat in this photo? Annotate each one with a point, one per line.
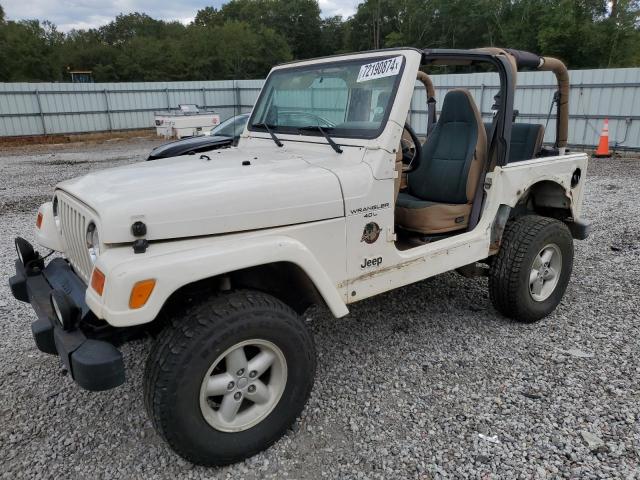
(526, 140)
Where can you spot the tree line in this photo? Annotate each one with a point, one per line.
(244, 38)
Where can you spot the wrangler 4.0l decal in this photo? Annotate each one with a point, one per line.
(371, 262)
(371, 209)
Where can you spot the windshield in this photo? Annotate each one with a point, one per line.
(351, 98)
(232, 127)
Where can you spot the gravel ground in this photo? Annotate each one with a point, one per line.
(424, 382)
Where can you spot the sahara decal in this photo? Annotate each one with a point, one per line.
(371, 262)
(371, 233)
(371, 209)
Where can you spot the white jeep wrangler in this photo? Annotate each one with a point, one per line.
(330, 197)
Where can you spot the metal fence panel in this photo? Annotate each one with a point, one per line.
(50, 108)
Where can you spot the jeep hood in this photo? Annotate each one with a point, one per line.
(191, 196)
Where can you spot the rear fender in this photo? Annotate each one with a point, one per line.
(553, 179)
(552, 183)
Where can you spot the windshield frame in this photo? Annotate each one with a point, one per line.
(353, 133)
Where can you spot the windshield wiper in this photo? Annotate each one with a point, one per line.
(323, 131)
(268, 128)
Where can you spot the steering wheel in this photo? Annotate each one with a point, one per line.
(410, 153)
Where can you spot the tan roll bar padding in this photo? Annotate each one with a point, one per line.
(562, 76)
(428, 84)
(547, 64)
(559, 69)
(500, 51)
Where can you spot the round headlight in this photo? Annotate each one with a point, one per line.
(93, 242)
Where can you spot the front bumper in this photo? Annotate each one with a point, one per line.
(93, 364)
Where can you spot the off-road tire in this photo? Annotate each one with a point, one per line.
(188, 346)
(523, 238)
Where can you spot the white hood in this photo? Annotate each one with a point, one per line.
(189, 196)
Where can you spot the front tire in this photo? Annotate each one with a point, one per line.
(530, 273)
(229, 378)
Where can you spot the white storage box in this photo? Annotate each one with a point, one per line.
(186, 122)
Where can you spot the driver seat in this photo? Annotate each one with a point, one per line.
(440, 190)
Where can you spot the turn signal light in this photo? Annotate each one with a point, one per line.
(39, 220)
(140, 293)
(97, 281)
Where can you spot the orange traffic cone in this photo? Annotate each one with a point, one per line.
(603, 147)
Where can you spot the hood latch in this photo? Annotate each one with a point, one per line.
(139, 229)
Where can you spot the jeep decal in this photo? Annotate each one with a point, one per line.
(371, 262)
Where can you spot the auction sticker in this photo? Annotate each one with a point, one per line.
(384, 68)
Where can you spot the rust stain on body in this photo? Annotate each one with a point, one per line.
(390, 268)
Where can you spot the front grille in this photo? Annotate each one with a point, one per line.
(74, 218)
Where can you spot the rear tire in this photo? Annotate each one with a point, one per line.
(194, 355)
(530, 273)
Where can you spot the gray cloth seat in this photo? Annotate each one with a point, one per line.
(526, 140)
(440, 190)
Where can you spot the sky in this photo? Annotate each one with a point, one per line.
(70, 14)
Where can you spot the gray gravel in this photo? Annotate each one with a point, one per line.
(424, 382)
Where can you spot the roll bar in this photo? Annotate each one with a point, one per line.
(428, 84)
(521, 59)
(518, 59)
(506, 67)
(431, 99)
(562, 109)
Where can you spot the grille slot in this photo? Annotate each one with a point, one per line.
(73, 223)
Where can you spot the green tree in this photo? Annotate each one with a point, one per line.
(248, 54)
(30, 51)
(582, 32)
(209, 17)
(570, 31)
(333, 35)
(245, 38)
(4, 48)
(298, 21)
(373, 21)
(622, 30)
(148, 59)
(85, 50)
(127, 27)
(423, 23)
